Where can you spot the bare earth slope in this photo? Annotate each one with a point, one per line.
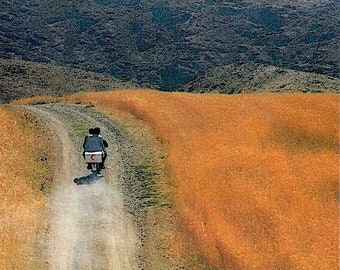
(88, 225)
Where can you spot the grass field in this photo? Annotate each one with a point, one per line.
(254, 177)
(23, 174)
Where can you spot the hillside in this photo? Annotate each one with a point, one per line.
(253, 178)
(23, 79)
(26, 178)
(166, 44)
(20, 79)
(252, 77)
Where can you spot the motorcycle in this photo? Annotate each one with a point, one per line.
(94, 160)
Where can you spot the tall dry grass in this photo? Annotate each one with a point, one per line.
(254, 177)
(21, 201)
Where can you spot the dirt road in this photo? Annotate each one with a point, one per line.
(88, 226)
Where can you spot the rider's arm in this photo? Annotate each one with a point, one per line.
(84, 142)
(102, 143)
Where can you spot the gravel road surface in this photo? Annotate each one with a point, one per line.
(88, 225)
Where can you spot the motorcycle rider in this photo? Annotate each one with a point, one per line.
(90, 134)
(94, 142)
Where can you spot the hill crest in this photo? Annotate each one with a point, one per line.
(252, 77)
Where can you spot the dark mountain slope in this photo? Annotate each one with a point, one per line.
(251, 77)
(19, 79)
(167, 44)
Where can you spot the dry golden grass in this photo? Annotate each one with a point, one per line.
(254, 177)
(21, 202)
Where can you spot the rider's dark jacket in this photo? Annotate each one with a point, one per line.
(94, 143)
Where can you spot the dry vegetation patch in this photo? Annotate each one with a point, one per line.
(254, 178)
(24, 174)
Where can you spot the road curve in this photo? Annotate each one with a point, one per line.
(89, 227)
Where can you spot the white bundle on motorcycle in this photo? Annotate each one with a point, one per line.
(93, 157)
